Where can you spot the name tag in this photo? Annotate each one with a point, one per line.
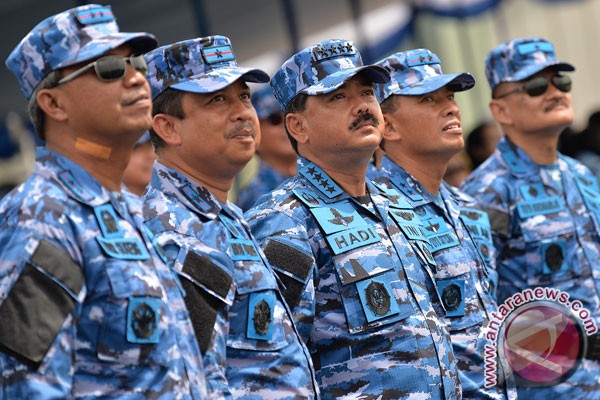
(124, 248)
(341, 242)
(546, 205)
(243, 250)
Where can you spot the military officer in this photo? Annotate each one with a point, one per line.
(87, 308)
(423, 132)
(361, 294)
(205, 130)
(544, 216)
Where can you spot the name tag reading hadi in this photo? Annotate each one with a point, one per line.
(352, 238)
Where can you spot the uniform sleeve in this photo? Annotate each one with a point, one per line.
(41, 291)
(206, 276)
(285, 241)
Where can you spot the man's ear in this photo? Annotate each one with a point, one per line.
(296, 126)
(168, 128)
(501, 112)
(51, 102)
(391, 132)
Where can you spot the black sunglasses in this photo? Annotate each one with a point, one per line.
(538, 86)
(110, 68)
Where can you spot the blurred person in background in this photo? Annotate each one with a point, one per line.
(482, 141)
(17, 153)
(139, 170)
(277, 157)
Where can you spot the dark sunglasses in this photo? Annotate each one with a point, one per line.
(275, 118)
(110, 68)
(538, 86)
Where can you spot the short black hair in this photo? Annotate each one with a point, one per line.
(168, 102)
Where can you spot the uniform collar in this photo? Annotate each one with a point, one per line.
(75, 180)
(193, 195)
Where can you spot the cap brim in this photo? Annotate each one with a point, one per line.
(220, 78)
(534, 69)
(374, 73)
(140, 42)
(455, 82)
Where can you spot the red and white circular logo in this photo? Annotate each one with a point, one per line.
(543, 343)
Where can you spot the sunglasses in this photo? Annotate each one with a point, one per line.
(538, 86)
(110, 68)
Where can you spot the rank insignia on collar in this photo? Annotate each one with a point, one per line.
(317, 177)
(194, 197)
(67, 178)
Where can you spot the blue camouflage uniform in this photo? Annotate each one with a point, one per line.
(359, 291)
(457, 232)
(114, 323)
(87, 309)
(544, 218)
(251, 347)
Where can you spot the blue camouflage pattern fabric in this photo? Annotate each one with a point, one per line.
(255, 351)
(459, 237)
(545, 228)
(201, 65)
(321, 69)
(358, 290)
(416, 72)
(70, 37)
(519, 59)
(266, 179)
(88, 309)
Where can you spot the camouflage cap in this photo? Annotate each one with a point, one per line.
(519, 59)
(321, 69)
(202, 65)
(264, 102)
(416, 72)
(73, 36)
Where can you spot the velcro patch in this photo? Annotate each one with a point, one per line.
(207, 273)
(33, 313)
(297, 266)
(218, 54)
